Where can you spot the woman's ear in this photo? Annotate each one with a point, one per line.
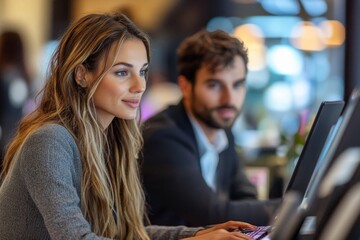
(80, 72)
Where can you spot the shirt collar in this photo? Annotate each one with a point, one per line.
(220, 143)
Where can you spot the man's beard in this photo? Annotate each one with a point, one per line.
(206, 116)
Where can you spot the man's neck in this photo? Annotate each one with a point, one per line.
(211, 133)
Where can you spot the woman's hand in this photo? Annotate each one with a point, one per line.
(223, 231)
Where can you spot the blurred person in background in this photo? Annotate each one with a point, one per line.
(14, 85)
(71, 172)
(191, 171)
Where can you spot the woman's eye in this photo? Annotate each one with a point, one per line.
(143, 72)
(122, 73)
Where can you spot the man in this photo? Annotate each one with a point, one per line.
(192, 174)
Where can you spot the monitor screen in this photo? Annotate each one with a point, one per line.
(344, 135)
(326, 117)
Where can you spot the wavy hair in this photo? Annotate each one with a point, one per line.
(213, 49)
(112, 199)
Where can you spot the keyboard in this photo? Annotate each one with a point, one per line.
(258, 233)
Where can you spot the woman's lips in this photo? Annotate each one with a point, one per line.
(133, 103)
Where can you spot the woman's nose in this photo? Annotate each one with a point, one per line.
(139, 84)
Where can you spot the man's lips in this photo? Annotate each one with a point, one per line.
(226, 112)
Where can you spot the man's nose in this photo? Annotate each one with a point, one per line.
(226, 95)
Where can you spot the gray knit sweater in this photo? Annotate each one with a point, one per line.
(40, 198)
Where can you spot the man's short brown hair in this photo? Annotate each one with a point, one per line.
(216, 50)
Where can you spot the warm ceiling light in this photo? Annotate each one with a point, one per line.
(334, 32)
(249, 33)
(307, 36)
(253, 38)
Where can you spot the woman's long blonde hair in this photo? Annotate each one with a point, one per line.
(112, 199)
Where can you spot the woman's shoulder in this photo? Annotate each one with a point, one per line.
(50, 143)
(53, 128)
(50, 134)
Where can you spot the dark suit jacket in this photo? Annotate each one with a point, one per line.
(175, 190)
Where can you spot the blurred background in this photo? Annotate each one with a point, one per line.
(302, 52)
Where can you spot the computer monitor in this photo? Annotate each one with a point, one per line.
(343, 174)
(345, 221)
(344, 135)
(349, 132)
(327, 116)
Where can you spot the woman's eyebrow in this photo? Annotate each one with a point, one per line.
(129, 64)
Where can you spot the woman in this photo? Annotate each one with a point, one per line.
(71, 172)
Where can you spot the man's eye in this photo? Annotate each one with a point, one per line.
(239, 84)
(213, 85)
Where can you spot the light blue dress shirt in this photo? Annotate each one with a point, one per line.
(209, 152)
